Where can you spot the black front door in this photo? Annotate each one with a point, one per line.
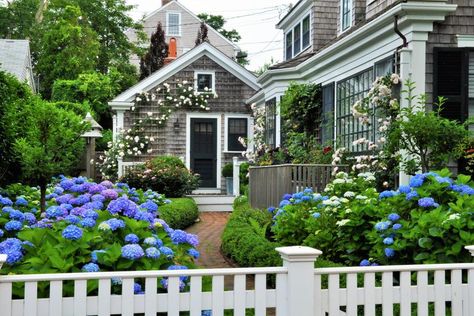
(204, 150)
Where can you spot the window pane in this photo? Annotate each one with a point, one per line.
(384, 67)
(297, 39)
(289, 45)
(173, 24)
(270, 123)
(306, 31)
(346, 14)
(204, 82)
(237, 128)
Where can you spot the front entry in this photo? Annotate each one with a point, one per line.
(204, 150)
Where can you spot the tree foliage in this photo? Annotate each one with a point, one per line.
(202, 34)
(154, 59)
(68, 47)
(53, 146)
(217, 23)
(17, 19)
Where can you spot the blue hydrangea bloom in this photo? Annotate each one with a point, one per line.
(78, 188)
(192, 240)
(144, 216)
(90, 214)
(417, 181)
(90, 267)
(80, 200)
(109, 194)
(72, 232)
(167, 252)
(467, 190)
(88, 222)
(1, 233)
(152, 252)
(151, 241)
(178, 236)
(316, 215)
(58, 190)
(206, 313)
(193, 253)
(137, 288)
(17, 215)
(287, 196)
(308, 191)
(132, 239)
(271, 209)
(64, 199)
(96, 188)
(427, 202)
(21, 201)
(389, 252)
(123, 205)
(443, 179)
(364, 263)
(66, 184)
(284, 203)
(12, 247)
(132, 252)
(30, 218)
(394, 217)
(306, 198)
(6, 201)
(397, 226)
(150, 206)
(381, 226)
(116, 281)
(55, 212)
(404, 189)
(387, 194)
(388, 241)
(115, 223)
(66, 206)
(13, 225)
(97, 198)
(412, 195)
(298, 195)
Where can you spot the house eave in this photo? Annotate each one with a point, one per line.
(120, 106)
(257, 97)
(299, 8)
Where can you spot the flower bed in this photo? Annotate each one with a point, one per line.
(90, 227)
(429, 221)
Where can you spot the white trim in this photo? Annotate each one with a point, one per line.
(226, 130)
(205, 49)
(168, 23)
(217, 116)
(236, 48)
(465, 40)
(206, 191)
(212, 88)
(295, 13)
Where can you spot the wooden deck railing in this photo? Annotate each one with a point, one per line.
(267, 184)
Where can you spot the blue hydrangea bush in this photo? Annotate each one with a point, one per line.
(90, 227)
(428, 221)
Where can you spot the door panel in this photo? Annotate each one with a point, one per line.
(204, 150)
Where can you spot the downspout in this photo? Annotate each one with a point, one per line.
(404, 39)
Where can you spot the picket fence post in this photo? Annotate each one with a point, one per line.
(299, 261)
(236, 176)
(3, 259)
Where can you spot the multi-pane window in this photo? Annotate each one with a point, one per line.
(270, 123)
(173, 25)
(204, 82)
(346, 14)
(349, 128)
(298, 38)
(237, 127)
(327, 117)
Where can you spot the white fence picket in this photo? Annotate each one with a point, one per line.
(422, 284)
(56, 298)
(333, 287)
(260, 295)
(405, 293)
(196, 296)
(387, 293)
(369, 298)
(456, 290)
(31, 298)
(281, 294)
(351, 294)
(218, 295)
(470, 299)
(6, 298)
(239, 295)
(127, 297)
(103, 301)
(150, 296)
(318, 297)
(440, 301)
(173, 296)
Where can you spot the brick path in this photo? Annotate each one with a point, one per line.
(209, 230)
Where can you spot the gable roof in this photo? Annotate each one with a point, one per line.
(211, 29)
(205, 49)
(15, 58)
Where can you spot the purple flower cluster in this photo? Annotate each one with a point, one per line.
(124, 206)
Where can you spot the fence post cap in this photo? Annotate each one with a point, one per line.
(470, 249)
(299, 253)
(3, 259)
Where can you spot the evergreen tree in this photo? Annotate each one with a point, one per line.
(202, 34)
(154, 59)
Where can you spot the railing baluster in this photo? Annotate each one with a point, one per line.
(196, 296)
(239, 295)
(218, 295)
(260, 294)
(31, 298)
(56, 298)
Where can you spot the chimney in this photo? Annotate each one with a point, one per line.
(165, 2)
(172, 51)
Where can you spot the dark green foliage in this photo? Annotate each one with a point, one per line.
(202, 34)
(17, 19)
(217, 23)
(101, 144)
(180, 213)
(165, 174)
(228, 170)
(76, 108)
(154, 59)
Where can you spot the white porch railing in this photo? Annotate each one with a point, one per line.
(301, 290)
(236, 176)
(123, 167)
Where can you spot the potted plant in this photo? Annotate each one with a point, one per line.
(227, 173)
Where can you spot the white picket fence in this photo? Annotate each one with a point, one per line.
(301, 290)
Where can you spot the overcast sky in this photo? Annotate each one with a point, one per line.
(254, 19)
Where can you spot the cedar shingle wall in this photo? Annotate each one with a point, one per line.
(325, 21)
(374, 7)
(232, 94)
(444, 35)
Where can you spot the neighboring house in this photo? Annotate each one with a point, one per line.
(183, 25)
(15, 59)
(206, 140)
(345, 44)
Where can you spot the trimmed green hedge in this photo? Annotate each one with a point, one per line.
(245, 239)
(180, 213)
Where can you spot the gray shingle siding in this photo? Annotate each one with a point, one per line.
(325, 21)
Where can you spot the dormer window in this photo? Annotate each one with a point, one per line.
(298, 38)
(173, 24)
(346, 14)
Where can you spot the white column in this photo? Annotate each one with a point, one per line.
(236, 176)
(300, 263)
(418, 61)
(278, 123)
(405, 74)
(119, 124)
(3, 259)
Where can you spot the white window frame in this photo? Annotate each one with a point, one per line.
(291, 30)
(226, 130)
(205, 72)
(341, 15)
(168, 23)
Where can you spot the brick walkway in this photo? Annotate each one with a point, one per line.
(209, 231)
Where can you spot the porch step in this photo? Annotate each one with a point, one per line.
(213, 203)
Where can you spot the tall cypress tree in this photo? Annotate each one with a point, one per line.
(202, 34)
(154, 59)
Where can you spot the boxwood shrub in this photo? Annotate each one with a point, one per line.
(180, 213)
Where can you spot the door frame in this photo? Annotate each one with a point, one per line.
(189, 116)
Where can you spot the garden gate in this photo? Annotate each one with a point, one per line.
(299, 290)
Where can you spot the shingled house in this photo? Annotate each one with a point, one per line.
(345, 44)
(206, 140)
(15, 58)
